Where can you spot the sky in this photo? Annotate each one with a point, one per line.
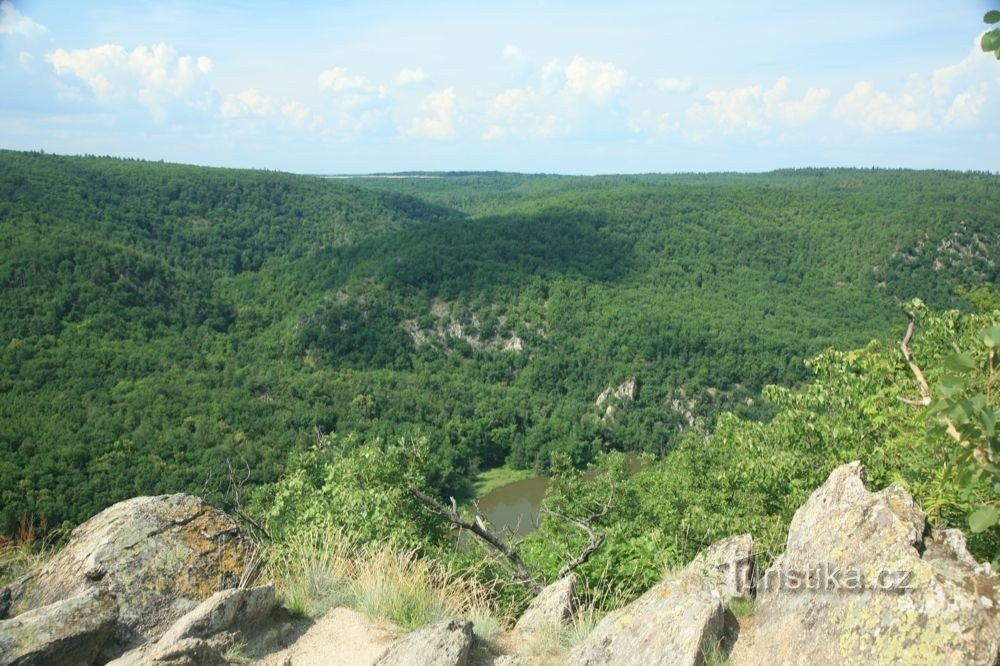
(555, 86)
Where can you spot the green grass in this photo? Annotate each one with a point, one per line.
(492, 479)
(317, 570)
(743, 606)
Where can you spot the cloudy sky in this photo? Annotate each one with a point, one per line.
(344, 86)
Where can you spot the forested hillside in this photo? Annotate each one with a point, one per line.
(157, 320)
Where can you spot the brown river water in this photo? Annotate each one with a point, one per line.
(515, 506)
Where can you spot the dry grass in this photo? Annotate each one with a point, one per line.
(318, 570)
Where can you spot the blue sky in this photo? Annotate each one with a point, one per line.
(550, 86)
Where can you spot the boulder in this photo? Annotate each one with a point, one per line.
(158, 557)
(551, 609)
(730, 563)
(863, 581)
(69, 632)
(444, 643)
(671, 624)
(200, 635)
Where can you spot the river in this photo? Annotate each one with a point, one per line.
(515, 506)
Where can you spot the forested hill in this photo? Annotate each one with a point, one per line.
(157, 320)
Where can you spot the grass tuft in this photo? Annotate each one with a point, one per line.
(318, 570)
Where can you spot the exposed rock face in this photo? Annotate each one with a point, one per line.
(444, 643)
(671, 624)
(157, 556)
(201, 635)
(674, 622)
(551, 609)
(730, 563)
(69, 632)
(861, 582)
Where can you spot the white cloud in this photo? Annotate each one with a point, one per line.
(249, 102)
(409, 76)
(339, 80)
(154, 75)
(24, 59)
(440, 123)
(964, 110)
(13, 22)
(675, 86)
(755, 108)
(872, 110)
(512, 100)
(599, 81)
(351, 91)
(296, 113)
(514, 52)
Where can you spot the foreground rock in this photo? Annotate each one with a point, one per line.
(157, 556)
(730, 564)
(550, 610)
(676, 621)
(862, 582)
(444, 643)
(202, 635)
(69, 632)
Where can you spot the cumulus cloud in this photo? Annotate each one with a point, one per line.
(407, 76)
(440, 121)
(872, 110)
(250, 102)
(13, 22)
(296, 113)
(954, 96)
(512, 100)
(598, 81)
(154, 75)
(514, 52)
(674, 86)
(755, 108)
(351, 91)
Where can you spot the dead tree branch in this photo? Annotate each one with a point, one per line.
(925, 398)
(521, 575)
(925, 390)
(595, 539)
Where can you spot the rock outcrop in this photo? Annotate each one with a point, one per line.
(862, 581)
(676, 621)
(444, 643)
(550, 610)
(202, 635)
(730, 564)
(158, 557)
(70, 632)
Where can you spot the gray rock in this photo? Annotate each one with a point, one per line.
(551, 609)
(70, 632)
(671, 625)
(213, 625)
(158, 556)
(444, 643)
(861, 582)
(730, 563)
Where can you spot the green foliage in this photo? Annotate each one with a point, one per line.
(358, 489)
(990, 41)
(751, 476)
(967, 409)
(160, 319)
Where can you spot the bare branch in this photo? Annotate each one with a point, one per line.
(925, 390)
(521, 574)
(596, 539)
(925, 398)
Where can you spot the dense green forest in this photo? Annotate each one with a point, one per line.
(158, 320)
